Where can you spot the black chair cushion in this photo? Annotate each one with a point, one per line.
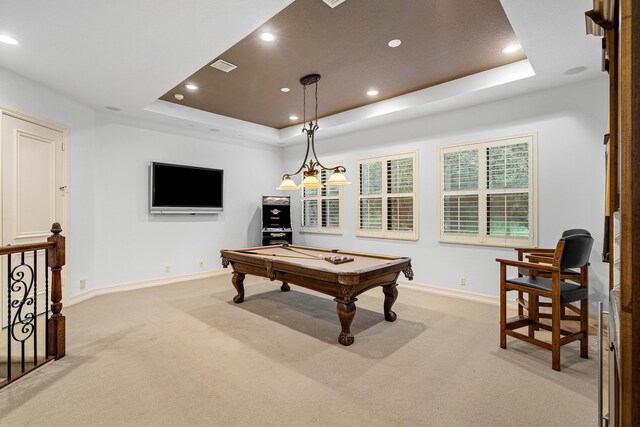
(569, 292)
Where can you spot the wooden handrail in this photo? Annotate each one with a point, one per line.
(16, 249)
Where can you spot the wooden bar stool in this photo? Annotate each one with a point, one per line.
(545, 255)
(572, 252)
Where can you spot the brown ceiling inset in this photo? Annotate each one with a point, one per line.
(442, 40)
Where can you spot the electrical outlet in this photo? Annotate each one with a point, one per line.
(201, 264)
(167, 269)
(83, 284)
(463, 280)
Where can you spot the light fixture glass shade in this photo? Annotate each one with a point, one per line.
(337, 178)
(288, 184)
(311, 182)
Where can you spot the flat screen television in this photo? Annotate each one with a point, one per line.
(179, 189)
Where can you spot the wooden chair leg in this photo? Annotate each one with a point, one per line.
(534, 311)
(584, 326)
(520, 308)
(555, 334)
(503, 306)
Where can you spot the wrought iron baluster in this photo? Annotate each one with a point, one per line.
(46, 300)
(23, 323)
(35, 307)
(18, 316)
(9, 317)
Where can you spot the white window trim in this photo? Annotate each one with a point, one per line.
(386, 234)
(320, 229)
(482, 239)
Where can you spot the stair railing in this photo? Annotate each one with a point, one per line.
(24, 314)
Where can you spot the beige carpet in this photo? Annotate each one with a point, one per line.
(184, 354)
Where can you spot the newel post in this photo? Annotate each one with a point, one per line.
(56, 322)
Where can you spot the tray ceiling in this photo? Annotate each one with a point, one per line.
(348, 46)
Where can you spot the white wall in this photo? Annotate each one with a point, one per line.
(112, 239)
(570, 122)
(25, 96)
(133, 245)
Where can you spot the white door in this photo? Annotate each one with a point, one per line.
(32, 200)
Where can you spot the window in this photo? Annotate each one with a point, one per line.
(322, 207)
(387, 201)
(487, 192)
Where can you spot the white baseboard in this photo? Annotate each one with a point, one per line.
(472, 296)
(457, 293)
(124, 287)
(422, 287)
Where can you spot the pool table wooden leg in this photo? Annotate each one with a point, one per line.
(390, 295)
(285, 287)
(238, 283)
(346, 312)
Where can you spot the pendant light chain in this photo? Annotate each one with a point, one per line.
(311, 168)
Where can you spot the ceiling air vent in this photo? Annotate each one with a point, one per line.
(333, 3)
(223, 65)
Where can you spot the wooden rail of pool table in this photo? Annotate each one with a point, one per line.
(344, 286)
(330, 251)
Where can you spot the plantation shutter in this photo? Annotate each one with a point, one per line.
(460, 208)
(508, 190)
(371, 196)
(400, 191)
(387, 197)
(487, 192)
(321, 207)
(330, 203)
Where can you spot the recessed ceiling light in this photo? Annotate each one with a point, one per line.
(395, 43)
(372, 92)
(191, 86)
(268, 37)
(110, 108)
(179, 96)
(511, 48)
(7, 39)
(293, 117)
(285, 89)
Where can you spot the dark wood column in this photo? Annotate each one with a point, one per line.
(630, 210)
(56, 339)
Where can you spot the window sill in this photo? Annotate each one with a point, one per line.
(514, 244)
(316, 231)
(411, 237)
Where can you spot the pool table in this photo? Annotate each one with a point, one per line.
(341, 274)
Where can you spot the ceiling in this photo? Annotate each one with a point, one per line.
(127, 54)
(348, 46)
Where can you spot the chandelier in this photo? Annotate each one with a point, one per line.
(313, 167)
